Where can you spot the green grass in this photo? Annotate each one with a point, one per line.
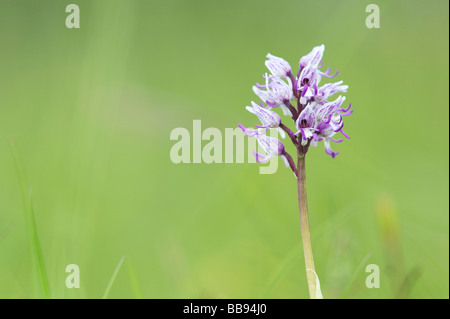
(32, 231)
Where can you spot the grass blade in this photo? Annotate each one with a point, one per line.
(113, 277)
(35, 246)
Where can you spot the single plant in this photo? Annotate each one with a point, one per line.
(315, 118)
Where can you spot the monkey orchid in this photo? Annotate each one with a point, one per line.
(316, 117)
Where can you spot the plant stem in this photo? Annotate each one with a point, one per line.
(304, 224)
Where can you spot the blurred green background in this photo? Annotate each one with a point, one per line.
(89, 112)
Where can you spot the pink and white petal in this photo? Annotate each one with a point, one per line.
(285, 160)
(260, 158)
(328, 149)
(282, 133)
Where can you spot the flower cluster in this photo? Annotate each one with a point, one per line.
(316, 117)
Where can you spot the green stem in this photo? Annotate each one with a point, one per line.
(304, 224)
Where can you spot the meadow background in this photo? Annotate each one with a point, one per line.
(85, 120)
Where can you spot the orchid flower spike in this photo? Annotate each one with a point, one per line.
(316, 118)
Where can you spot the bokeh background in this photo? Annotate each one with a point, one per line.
(85, 120)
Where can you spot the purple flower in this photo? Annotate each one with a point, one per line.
(278, 67)
(271, 145)
(308, 82)
(309, 75)
(251, 132)
(319, 122)
(316, 118)
(313, 58)
(268, 118)
(327, 90)
(275, 92)
(306, 122)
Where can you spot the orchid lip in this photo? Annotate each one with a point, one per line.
(260, 86)
(345, 134)
(347, 113)
(348, 108)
